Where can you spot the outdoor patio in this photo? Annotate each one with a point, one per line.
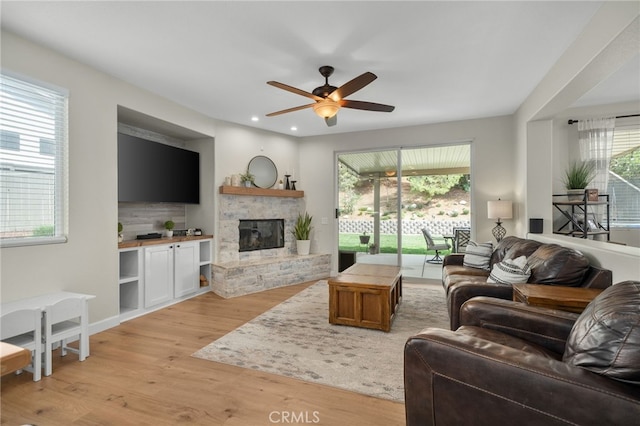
(411, 266)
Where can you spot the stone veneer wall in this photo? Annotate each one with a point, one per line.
(239, 278)
(232, 208)
(235, 273)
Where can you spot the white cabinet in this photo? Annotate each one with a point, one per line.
(154, 275)
(186, 257)
(158, 274)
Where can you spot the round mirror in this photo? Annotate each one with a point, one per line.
(264, 171)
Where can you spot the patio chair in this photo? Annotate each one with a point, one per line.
(461, 237)
(431, 245)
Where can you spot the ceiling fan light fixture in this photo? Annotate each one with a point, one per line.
(326, 108)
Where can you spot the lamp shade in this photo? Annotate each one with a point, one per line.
(499, 209)
(326, 108)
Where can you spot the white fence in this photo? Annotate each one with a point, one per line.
(435, 227)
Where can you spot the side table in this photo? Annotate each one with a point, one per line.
(572, 299)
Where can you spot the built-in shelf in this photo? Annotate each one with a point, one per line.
(263, 192)
(140, 262)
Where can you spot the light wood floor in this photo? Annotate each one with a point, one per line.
(142, 373)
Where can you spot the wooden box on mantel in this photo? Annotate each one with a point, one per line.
(264, 192)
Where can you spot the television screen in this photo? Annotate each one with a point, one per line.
(153, 172)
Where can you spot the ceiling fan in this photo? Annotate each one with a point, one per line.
(329, 99)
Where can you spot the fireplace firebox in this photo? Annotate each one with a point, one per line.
(261, 234)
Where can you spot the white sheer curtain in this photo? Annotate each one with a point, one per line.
(596, 141)
(595, 137)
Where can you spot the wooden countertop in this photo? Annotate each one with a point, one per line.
(163, 240)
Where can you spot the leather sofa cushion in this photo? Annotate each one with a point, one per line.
(464, 271)
(557, 265)
(606, 337)
(512, 247)
(522, 248)
(473, 275)
(506, 340)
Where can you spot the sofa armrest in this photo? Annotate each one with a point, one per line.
(549, 328)
(453, 378)
(453, 259)
(598, 278)
(465, 290)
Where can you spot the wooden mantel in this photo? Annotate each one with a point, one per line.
(264, 192)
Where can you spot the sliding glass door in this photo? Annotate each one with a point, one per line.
(386, 198)
(368, 207)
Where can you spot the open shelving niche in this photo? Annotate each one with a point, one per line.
(130, 281)
(131, 278)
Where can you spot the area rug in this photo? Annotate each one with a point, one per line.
(295, 339)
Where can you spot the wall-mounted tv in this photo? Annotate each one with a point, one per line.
(154, 172)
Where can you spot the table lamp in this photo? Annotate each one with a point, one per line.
(499, 210)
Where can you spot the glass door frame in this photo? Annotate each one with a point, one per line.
(376, 189)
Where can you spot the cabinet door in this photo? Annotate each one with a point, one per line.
(187, 267)
(158, 274)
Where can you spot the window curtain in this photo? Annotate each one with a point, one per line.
(595, 138)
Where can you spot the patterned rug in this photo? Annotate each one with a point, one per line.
(295, 339)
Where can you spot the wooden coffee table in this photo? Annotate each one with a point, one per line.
(365, 296)
(572, 299)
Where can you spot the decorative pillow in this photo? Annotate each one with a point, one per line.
(478, 255)
(606, 337)
(510, 271)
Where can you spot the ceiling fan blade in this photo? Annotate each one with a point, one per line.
(368, 106)
(294, 90)
(284, 111)
(331, 121)
(352, 86)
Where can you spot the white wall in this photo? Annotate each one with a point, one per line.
(88, 262)
(606, 44)
(237, 145)
(492, 169)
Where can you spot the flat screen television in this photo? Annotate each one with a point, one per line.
(154, 172)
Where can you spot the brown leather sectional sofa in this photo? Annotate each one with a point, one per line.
(510, 363)
(550, 264)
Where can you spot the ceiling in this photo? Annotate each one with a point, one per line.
(435, 61)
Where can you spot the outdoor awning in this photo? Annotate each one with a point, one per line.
(441, 160)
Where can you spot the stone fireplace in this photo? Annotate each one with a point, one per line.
(239, 271)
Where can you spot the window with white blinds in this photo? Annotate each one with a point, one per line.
(33, 148)
(624, 175)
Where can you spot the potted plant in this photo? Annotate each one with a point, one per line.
(120, 236)
(364, 238)
(247, 179)
(373, 249)
(577, 177)
(169, 225)
(302, 230)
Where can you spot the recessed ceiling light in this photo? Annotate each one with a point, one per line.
(294, 128)
(255, 118)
